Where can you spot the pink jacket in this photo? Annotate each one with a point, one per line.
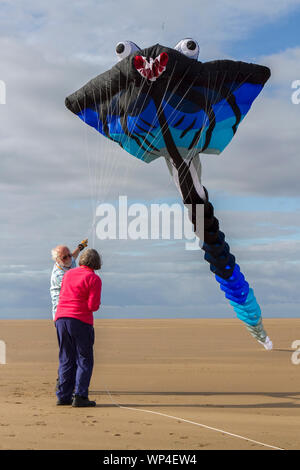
(80, 294)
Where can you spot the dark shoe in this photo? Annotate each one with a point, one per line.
(79, 401)
(63, 402)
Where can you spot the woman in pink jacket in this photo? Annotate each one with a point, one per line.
(79, 297)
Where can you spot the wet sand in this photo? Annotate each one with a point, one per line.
(196, 371)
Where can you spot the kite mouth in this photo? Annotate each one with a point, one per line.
(153, 68)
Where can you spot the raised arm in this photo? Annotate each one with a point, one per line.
(83, 244)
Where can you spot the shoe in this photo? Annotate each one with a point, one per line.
(63, 402)
(267, 344)
(79, 401)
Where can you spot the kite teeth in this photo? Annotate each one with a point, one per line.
(153, 68)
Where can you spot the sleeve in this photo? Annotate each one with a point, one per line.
(94, 299)
(56, 282)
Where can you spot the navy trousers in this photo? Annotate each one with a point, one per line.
(76, 357)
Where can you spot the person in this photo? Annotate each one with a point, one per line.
(64, 260)
(80, 296)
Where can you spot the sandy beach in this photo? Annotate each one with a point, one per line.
(159, 384)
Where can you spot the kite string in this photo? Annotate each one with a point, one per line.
(87, 156)
(161, 108)
(106, 175)
(189, 422)
(208, 112)
(103, 170)
(128, 103)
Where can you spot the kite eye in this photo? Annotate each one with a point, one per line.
(125, 48)
(188, 47)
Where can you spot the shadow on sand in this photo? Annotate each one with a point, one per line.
(277, 395)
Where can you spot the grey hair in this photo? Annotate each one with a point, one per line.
(55, 251)
(54, 254)
(91, 258)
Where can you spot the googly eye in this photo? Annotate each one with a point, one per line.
(125, 48)
(188, 47)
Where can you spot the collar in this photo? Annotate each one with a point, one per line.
(86, 267)
(61, 267)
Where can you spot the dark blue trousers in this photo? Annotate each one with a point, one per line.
(76, 357)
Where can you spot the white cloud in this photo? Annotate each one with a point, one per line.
(285, 66)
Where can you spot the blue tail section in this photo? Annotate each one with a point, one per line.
(241, 297)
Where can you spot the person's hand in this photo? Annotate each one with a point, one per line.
(83, 244)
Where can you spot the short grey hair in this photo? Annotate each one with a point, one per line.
(91, 258)
(55, 251)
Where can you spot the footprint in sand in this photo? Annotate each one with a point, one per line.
(117, 434)
(94, 420)
(137, 433)
(87, 423)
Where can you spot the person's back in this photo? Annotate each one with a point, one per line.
(80, 294)
(79, 297)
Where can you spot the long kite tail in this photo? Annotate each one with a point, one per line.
(228, 274)
(217, 251)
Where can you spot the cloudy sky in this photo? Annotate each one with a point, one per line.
(54, 169)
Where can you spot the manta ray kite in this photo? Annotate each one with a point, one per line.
(162, 101)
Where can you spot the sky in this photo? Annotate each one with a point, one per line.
(54, 169)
